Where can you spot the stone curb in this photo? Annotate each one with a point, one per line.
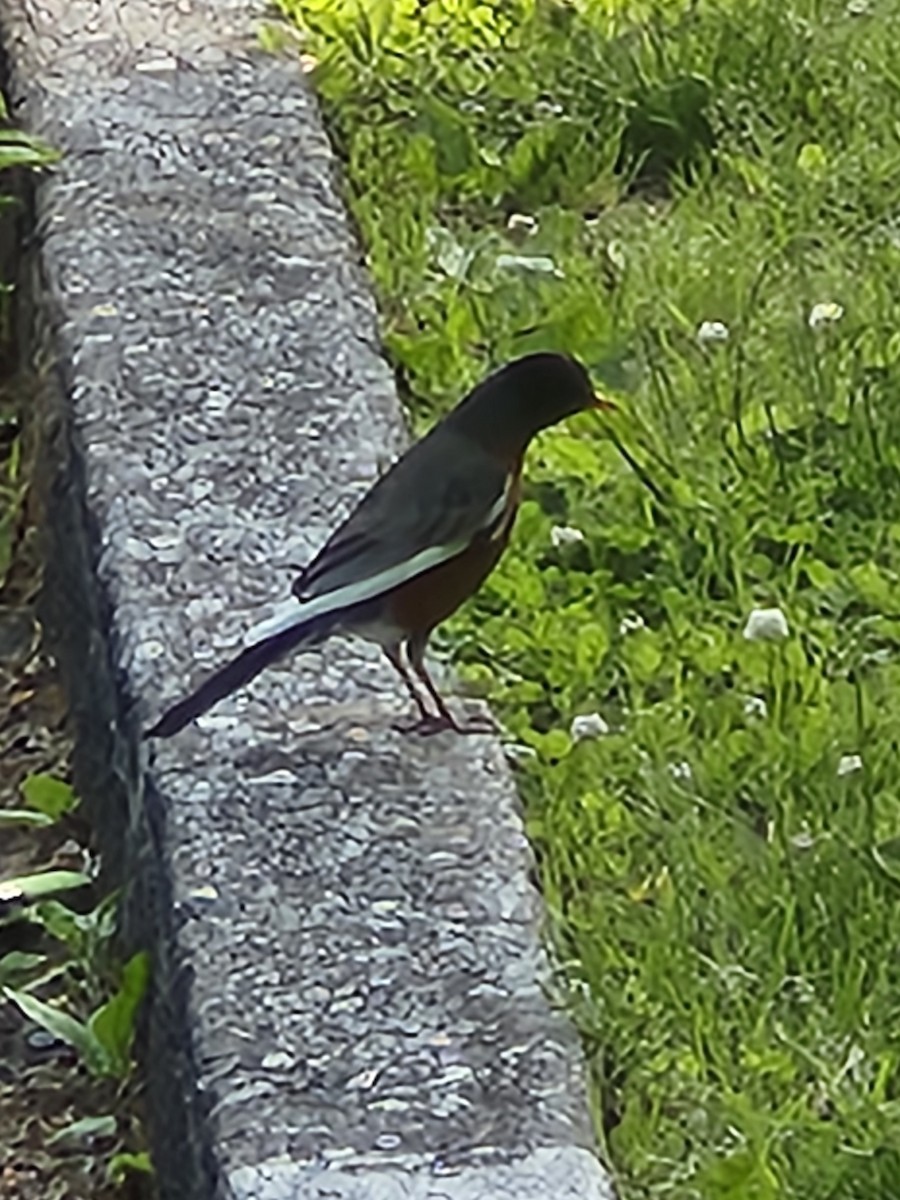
(349, 992)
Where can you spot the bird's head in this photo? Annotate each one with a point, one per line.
(524, 397)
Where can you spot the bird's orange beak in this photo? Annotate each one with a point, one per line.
(604, 405)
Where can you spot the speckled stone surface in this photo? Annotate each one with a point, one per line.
(348, 997)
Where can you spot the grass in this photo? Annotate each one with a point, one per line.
(722, 870)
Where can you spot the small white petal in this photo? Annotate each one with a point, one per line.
(587, 725)
(516, 752)
(712, 331)
(803, 840)
(681, 772)
(565, 535)
(849, 764)
(755, 706)
(631, 624)
(766, 625)
(615, 252)
(522, 223)
(825, 314)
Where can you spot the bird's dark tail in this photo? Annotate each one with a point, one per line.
(235, 674)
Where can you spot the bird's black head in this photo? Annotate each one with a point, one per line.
(505, 411)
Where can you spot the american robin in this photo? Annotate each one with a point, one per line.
(419, 543)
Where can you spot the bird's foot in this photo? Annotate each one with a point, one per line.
(430, 724)
(477, 725)
(424, 726)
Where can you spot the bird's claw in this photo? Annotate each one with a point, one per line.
(428, 725)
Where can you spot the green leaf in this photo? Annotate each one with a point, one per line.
(535, 264)
(590, 647)
(643, 655)
(33, 887)
(887, 855)
(84, 934)
(616, 368)
(120, 1164)
(820, 575)
(812, 160)
(61, 923)
(64, 1027)
(453, 145)
(49, 795)
(113, 1024)
(84, 1130)
(554, 744)
(17, 966)
(24, 816)
(29, 155)
(875, 587)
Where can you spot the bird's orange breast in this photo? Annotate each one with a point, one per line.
(423, 602)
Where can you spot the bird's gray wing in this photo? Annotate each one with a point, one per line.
(427, 509)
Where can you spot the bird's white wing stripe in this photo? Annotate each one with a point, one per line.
(295, 612)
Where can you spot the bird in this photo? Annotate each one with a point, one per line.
(419, 543)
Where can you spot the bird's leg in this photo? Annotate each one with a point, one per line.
(394, 656)
(445, 720)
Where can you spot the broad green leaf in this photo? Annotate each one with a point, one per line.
(62, 923)
(58, 1023)
(86, 1129)
(49, 795)
(812, 160)
(17, 966)
(24, 816)
(83, 933)
(113, 1024)
(45, 883)
(120, 1164)
(26, 156)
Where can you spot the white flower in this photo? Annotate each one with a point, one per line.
(849, 764)
(515, 752)
(615, 252)
(803, 840)
(681, 772)
(710, 332)
(631, 624)
(766, 625)
(755, 706)
(522, 223)
(825, 314)
(587, 725)
(565, 535)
